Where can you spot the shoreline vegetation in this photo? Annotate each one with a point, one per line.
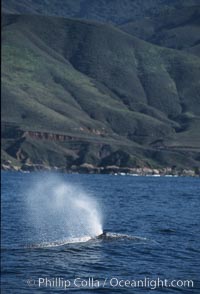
(113, 170)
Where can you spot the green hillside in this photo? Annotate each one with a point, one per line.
(115, 11)
(120, 100)
(177, 28)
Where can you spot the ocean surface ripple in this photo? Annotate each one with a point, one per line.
(151, 225)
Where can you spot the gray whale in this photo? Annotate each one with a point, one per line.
(102, 236)
(114, 236)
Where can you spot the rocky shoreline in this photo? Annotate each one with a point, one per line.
(114, 170)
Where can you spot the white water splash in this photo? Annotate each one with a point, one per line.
(59, 242)
(59, 211)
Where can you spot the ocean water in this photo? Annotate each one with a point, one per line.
(50, 225)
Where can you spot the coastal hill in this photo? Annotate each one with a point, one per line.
(78, 92)
(115, 11)
(177, 28)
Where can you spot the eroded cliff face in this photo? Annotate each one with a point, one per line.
(14, 132)
(46, 136)
(30, 150)
(51, 136)
(42, 148)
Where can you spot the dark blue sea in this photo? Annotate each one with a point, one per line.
(50, 226)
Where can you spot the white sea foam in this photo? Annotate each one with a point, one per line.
(60, 242)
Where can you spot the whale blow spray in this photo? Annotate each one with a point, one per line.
(60, 211)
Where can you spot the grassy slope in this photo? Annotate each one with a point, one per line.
(179, 29)
(73, 76)
(116, 11)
